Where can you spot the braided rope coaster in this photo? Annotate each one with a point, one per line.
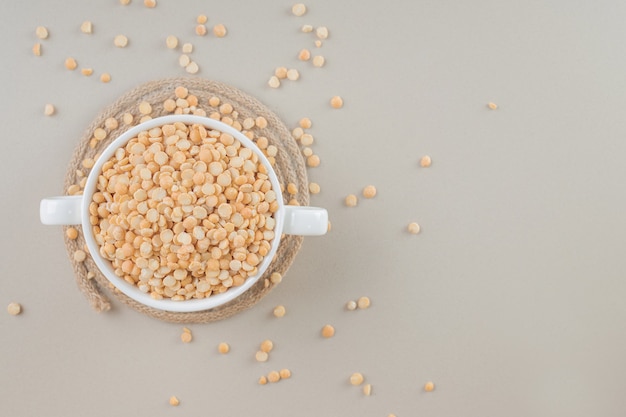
(289, 166)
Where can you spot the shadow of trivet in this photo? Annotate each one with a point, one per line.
(162, 96)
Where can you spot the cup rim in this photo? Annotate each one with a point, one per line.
(132, 291)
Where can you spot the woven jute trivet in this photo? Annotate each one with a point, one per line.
(289, 166)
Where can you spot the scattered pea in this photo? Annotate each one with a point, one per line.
(281, 73)
(145, 107)
(202, 19)
(304, 55)
(128, 118)
(298, 9)
(351, 200)
(492, 106)
(192, 68)
(49, 110)
(293, 74)
(414, 228)
(328, 331)
(273, 376)
(307, 28)
(276, 278)
(149, 3)
(171, 42)
(322, 32)
(284, 373)
(267, 346)
(363, 302)
(86, 27)
(319, 61)
(37, 49)
(356, 378)
(14, 309)
(306, 139)
(201, 30)
(219, 30)
(262, 380)
(429, 386)
(186, 335)
(70, 64)
(318, 43)
(305, 123)
(86, 71)
(80, 255)
(313, 161)
(41, 32)
(223, 348)
(351, 305)
(425, 161)
(306, 151)
(105, 77)
(120, 41)
(367, 389)
(187, 49)
(274, 82)
(314, 188)
(261, 356)
(174, 401)
(71, 233)
(90, 275)
(369, 191)
(279, 311)
(261, 123)
(124, 2)
(336, 102)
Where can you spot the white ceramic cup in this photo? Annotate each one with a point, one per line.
(73, 210)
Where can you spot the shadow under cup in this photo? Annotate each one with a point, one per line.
(303, 220)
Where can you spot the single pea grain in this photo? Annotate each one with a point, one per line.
(128, 118)
(328, 331)
(120, 41)
(149, 3)
(219, 30)
(261, 356)
(279, 311)
(124, 2)
(492, 106)
(319, 61)
(363, 302)
(306, 139)
(187, 49)
(318, 43)
(171, 42)
(367, 389)
(105, 77)
(273, 376)
(41, 32)
(262, 380)
(86, 27)
(322, 32)
(70, 64)
(306, 151)
(305, 123)
(86, 71)
(425, 161)
(307, 28)
(276, 278)
(49, 110)
(184, 60)
(174, 401)
(429, 386)
(293, 74)
(336, 102)
(369, 191)
(14, 309)
(284, 373)
(274, 82)
(192, 68)
(313, 161)
(202, 19)
(281, 73)
(304, 55)
(351, 200)
(414, 228)
(267, 346)
(71, 233)
(292, 188)
(201, 30)
(80, 256)
(351, 305)
(298, 9)
(261, 122)
(223, 348)
(314, 188)
(186, 335)
(37, 49)
(145, 107)
(356, 378)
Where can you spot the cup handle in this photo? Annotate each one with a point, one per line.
(305, 221)
(61, 210)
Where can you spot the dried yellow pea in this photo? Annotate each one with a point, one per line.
(70, 64)
(279, 311)
(86, 27)
(273, 376)
(105, 77)
(319, 61)
(356, 378)
(351, 200)
(267, 346)
(49, 110)
(336, 102)
(87, 71)
(314, 188)
(186, 335)
(280, 73)
(298, 9)
(304, 55)
(414, 228)
(145, 107)
(37, 49)
(149, 3)
(276, 278)
(293, 74)
(322, 32)
(219, 30)
(80, 255)
(429, 386)
(305, 123)
(274, 82)
(171, 42)
(71, 233)
(174, 401)
(313, 161)
(14, 309)
(369, 191)
(202, 19)
(41, 32)
(261, 356)
(328, 331)
(367, 389)
(307, 28)
(284, 373)
(223, 348)
(201, 30)
(262, 380)
(192, 67)
(351, 305)
(425, 161)
(492, 106)
(363, 302)
(120, 41)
